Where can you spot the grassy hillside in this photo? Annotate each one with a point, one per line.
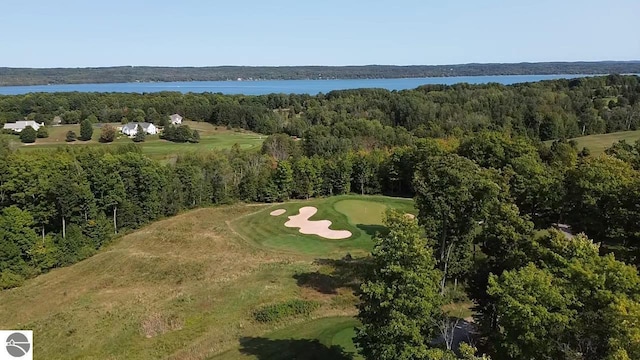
(597, 144)
(211, 137)
(187, 287)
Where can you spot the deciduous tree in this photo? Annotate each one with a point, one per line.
(28, 135)
(399, 295)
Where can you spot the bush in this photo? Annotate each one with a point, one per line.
(108, 134)
(42, 132)
(276, 312)
(181, 134)
(71, 136)
(28, 135)
(10, 280)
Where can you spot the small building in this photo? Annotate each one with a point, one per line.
(175, 119)
(57, 121)
(18, 126)
(131, 129)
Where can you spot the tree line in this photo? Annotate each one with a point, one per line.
(123, 74)
(538, 294)
(364, 118)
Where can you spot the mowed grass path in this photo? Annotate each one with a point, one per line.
(211, 138)
(362, 215)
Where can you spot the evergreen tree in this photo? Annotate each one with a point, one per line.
(283, 180)
(195, 138)
(140, 135)
(86, 130)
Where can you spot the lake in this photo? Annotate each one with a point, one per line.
(262, 87)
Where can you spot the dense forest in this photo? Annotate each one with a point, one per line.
(124, 74)
(369, 117)
(479, 197)
(487, 191)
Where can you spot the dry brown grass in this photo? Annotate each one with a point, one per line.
(181, 288)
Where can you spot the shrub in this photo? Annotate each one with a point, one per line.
(277, 312)
(108, 134)
(42, 132)
(28, 135)
(71, 136)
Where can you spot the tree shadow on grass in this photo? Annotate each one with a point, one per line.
(372, 230)
(286, 349)
(344, 273)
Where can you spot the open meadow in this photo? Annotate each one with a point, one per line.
(211, 138)
(229, 282)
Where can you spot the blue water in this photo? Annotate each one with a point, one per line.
(278, 86)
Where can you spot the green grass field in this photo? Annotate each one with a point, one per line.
(326, 338)
(211, 138)
(186, 288)
(362, 215)
(597, 144)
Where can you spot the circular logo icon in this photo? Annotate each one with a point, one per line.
(18, 345)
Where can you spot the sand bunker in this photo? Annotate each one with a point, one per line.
(319, 227)
(277, 212)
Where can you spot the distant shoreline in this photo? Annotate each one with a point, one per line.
(151, 74)
(265, 87)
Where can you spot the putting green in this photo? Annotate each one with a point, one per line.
(344, 212)
(362, 211)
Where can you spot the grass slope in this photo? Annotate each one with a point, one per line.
(186, 288)
(597, 144)
(181, 288)
(211, 137)
(362, 215)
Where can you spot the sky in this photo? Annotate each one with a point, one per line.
(83, 33)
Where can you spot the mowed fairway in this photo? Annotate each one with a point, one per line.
(361, 215)
(327, 338)
(211, 138)
(187, 287)
(597, 144)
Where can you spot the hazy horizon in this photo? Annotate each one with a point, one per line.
(320, 65)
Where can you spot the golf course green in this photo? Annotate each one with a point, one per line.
(361, 215)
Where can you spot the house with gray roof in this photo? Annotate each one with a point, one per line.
(175, 119)
(18, 126)
(131, 129)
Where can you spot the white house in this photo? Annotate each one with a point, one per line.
(131, 129)
(18, 126)
(176, 119)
